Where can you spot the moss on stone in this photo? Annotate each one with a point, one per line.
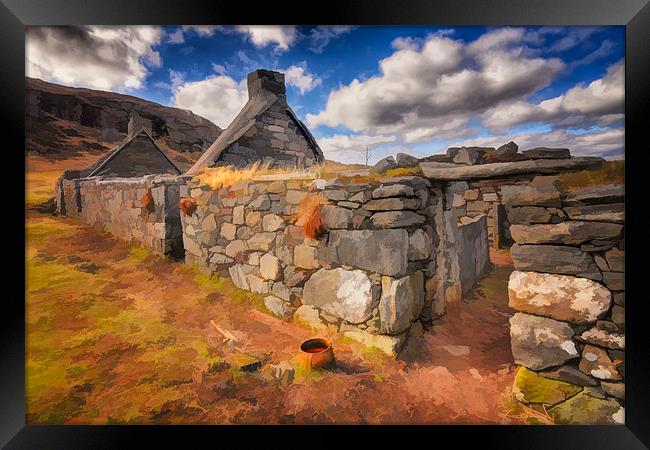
(529, 387)
(585, 409)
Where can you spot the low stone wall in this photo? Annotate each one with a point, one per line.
(569, 293)
(143, 209)
(388, 256)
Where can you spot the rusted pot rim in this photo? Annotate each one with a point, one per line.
(324, 346)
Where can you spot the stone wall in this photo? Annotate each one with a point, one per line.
(569, 293)
(386, 260)
(144, 210)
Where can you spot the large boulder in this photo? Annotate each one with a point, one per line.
(401, 302)
(509, 149)
(554, 259)
(346, 294)
(406, 160)
(385, 164)
(571, 232)
(381, 251)
(546, 153)
(561, 297)
(539, 342)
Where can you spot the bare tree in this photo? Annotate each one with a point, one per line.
(368, 155)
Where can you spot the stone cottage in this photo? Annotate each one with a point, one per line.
(136, 156)
(266, 130)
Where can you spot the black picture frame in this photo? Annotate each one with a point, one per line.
(634, 14)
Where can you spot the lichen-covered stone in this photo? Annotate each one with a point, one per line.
(585, 409)
(560, 297)
(602, 338)
(529, 387)
(308, 315)
(346, 294)
(387, 344)
(596, 362)
(539, 342)
(542, 191)
(381, 251)
(401, 302)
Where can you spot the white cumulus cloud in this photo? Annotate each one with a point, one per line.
(262, 35)
(98, 57)
(601, 99)
(435, 80)
(218, 98)
(297, 76)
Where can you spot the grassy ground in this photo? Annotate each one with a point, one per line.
(118, 335)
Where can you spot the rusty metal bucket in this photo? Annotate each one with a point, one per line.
(317, 353)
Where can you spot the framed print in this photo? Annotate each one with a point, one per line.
(368, 215)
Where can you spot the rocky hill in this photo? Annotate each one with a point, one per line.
(63, 121)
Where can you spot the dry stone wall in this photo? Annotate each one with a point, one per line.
(386, 260)
(144, 210)
(569, 293)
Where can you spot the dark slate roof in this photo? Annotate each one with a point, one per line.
(101, 162)
(256, 105)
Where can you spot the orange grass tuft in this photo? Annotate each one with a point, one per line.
(147, 201)
(187, 205)
(309, 215)
(223, 177)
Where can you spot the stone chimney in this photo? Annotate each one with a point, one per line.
(136, 123)
(267, 80)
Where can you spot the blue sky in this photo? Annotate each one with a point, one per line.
(413, 89)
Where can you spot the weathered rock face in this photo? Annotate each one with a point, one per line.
(401, 302)
(561, 297)
(546, 153)
(542, 191)
(596, 362)
(381, 251)
(468, 155)
(406, 160)
(608, 213)
(56, 113)
(509, 149)
(346, 294)
(554, 259)
(539, 342)
(586, 409)
(603, 338)
(571, 232)
(396, 219)
(385, 164)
